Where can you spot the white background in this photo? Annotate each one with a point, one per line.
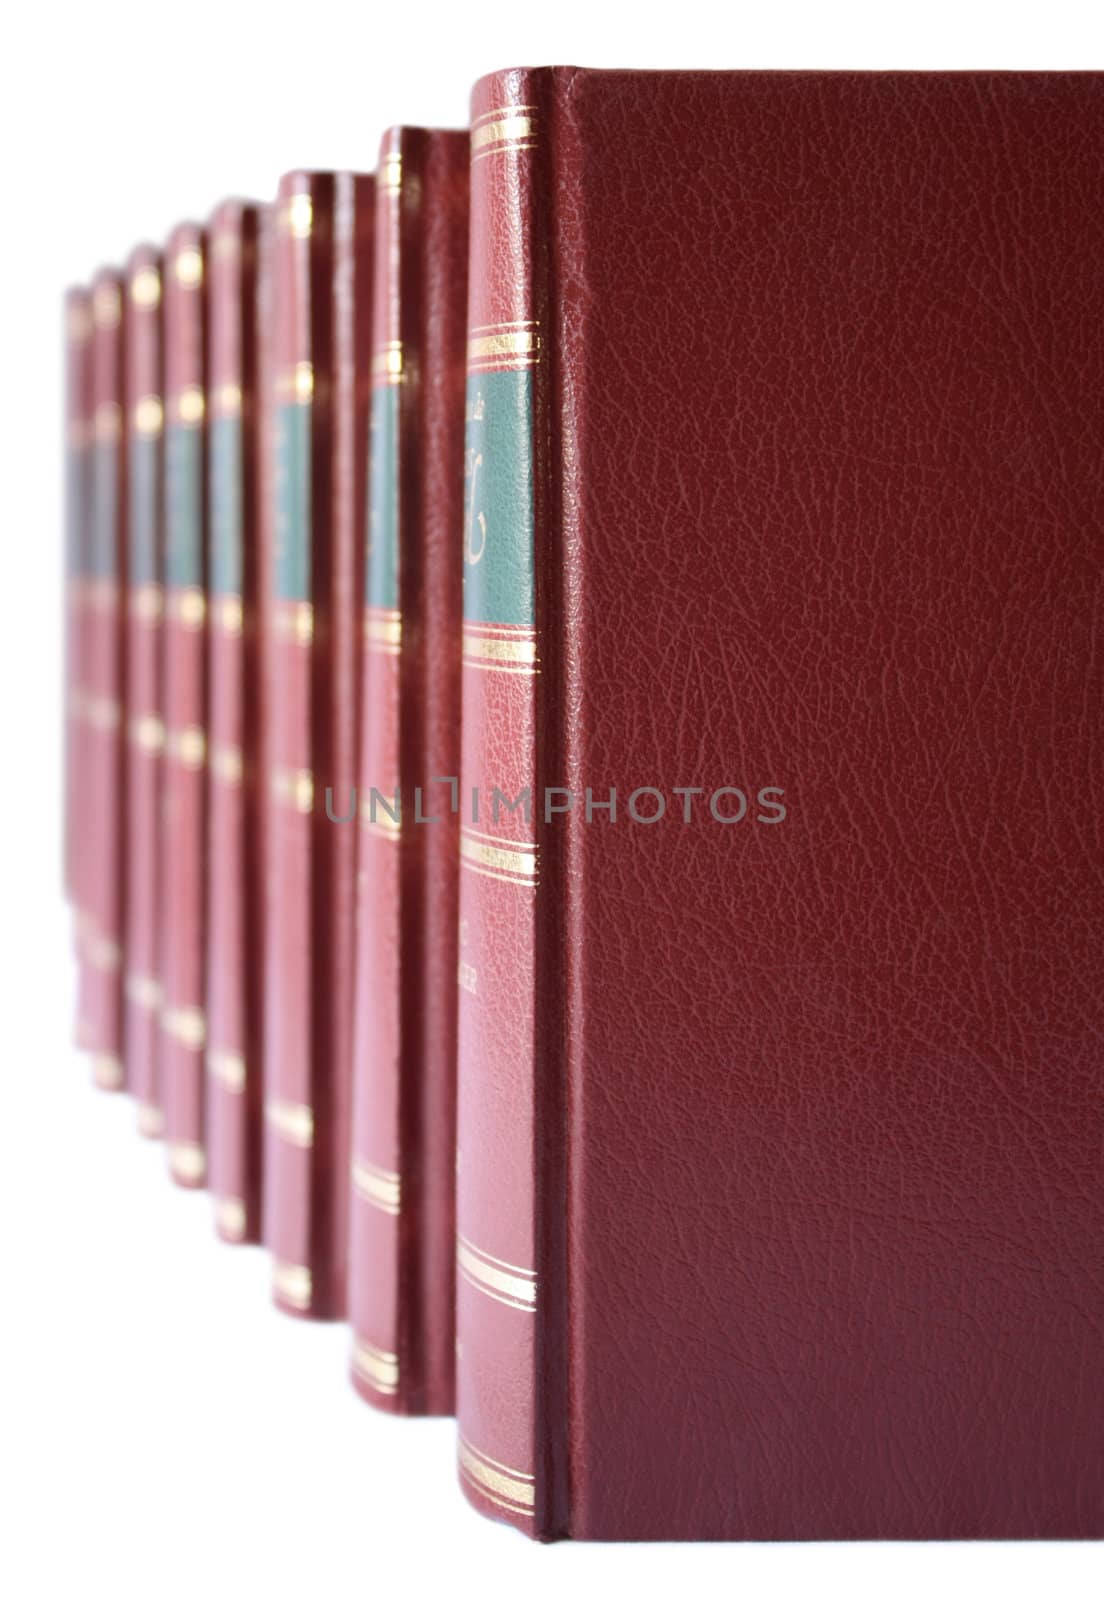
(163, 1431)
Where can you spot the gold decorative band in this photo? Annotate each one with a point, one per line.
(107, 1072)
(187, 1025)
(225, 764)
(187, 606)
(512, 861)
(383, 632)
(489, 650)
(389, 179)
(145, 287)
(492, 346)
(388, 362)
(78, 323)
(148, 416)
(294, 621)
(296, 216)
(377, 1367)
(228, 1066)
(226, 400)
(510, 1285)
(510, 126)
(188, 407)
(102, 954)
(147, 733)
(107, 423)
(292, 1284)
(295, 789)
(227, 613)
(230, 1217)
(145, 992)
(151, 1121)
(226, 245)
(187, 747)
(291, 1121)
(147, 602)
(377, 1186)
(297, 383)
(106, 305)
(512, 1490)
(187, 267)
(383, 823)
(187, 1161)
(98, 594)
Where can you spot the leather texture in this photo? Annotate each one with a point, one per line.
(401, 1258)
(818, 1234)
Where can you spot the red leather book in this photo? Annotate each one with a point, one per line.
(401, 1257)
(779, 1200)
(102, 796)
(234, 995)
(322, 253)
(78, 445)
(145, 417)
(183, 832)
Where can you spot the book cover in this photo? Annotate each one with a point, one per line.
(184, 809)
(321, 266)
(145, 729)
(78, 443)
(401, 1258)
(780, 1014)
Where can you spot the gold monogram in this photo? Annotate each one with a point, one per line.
(473, 554)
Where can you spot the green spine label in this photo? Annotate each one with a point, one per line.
(383, 500)
(226, 506)
(143, 487)
(293, 502)
(184, 507)
(498, 492)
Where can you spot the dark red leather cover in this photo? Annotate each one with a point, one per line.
(78, 450)
(322, 253)
(401, 1259)
(102, 799)
(145, 417)
(183, 833)
(234, 967)
(780, 1138)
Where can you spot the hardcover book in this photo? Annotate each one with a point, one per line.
(145, 418)
(78, 444)
(780, 1213)
(102, 795)
(234, 883)
(322, 256)
(183, 828)
(401, 1258)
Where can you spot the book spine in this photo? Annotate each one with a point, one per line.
(145, 726)
(183, 841)
(306, 1276)
(78, 441)
(499, 1287)
(234, 1065)
(402, 1244)
(104, 704)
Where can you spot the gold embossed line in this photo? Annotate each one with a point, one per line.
(377, 1187)
(226, 764)
(147, 734)
(387, 363)
(383, 632)
(230, 1218)
(187, 1161)
(188, 407)
(147, 417)
(389, 180)
(505, 1486)
(185, 1025)
(509, 1285)
(382, 824)
(187, 747)
(292, 1284)
(187, 606)
(292, 1121)
(187, 267)
(143, 991)
(296, 216)
(379, 1368)
(296, 383)
(107, 422)
(145, 288)
(78, 323)
(228, 614)
(505, 350)
(226, 400)
(107, 305)
(294, 789)
(510, 861)
(294, 621)
(500, 649)
(228, 1068)
(147, 602)
(503, 131)
(151, 1121)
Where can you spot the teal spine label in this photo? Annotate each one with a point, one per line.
(383, 502)
(184, 507)
(498, 510)
(102, 552)
(226, 506)
(293, 502)
(144, 494)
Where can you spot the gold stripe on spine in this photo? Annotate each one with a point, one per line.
(509, 1285)
(387, 363)
(297, 383)
(151, 1121)
(383, 632)
(499, 652)
(148, 416)
(512, 343)
(186, 1025)
(226, 400)
(383, 824)
(228, 613)
(292, 1122)
(188, 747)
(228, 1066)
(107, 1072)
(145, 287)
(106, 305)
(226, 246)
(187, 1161)
(147, 602)
(513, 861)
(230, 1217)
(188, 606)
(145, 992)
(295, 789)
(147, 733)
(514, 1491)
(78, 324)
(389, 178)
(377, 1367)
(292, 1284)
(188, 268)
(509, 128)
(296, 216)
(102, 954)
(225, 763)
(107, 424)
(294, 621)
(377, 1186)
(188, 407)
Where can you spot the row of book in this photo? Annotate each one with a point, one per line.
(526, 609)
